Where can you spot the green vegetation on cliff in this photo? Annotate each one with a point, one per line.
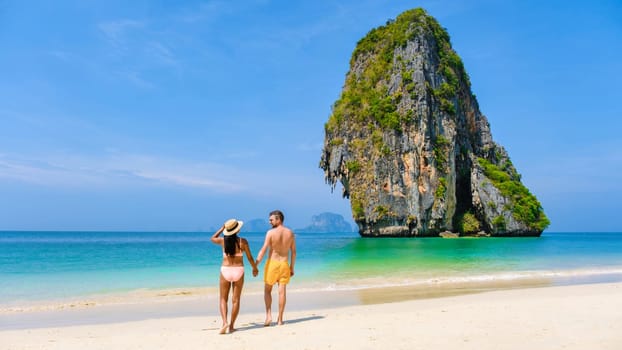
(468, 223)
(358, 212)
(441, 189)
(525, 206)
(499, 223)
(440, 150)
(365, 97)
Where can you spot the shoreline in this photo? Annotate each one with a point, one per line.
(554, 317)
(194, 302)
(254, 286)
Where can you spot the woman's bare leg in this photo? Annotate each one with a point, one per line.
(225, 286)
(235, 307)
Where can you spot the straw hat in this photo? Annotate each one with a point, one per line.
(232, 226)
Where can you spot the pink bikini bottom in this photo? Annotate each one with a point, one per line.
(232, 273)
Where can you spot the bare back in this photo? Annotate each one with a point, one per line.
(280, 241)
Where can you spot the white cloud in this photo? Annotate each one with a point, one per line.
(116, 32)
(137, 48)
(161, 53)
(62, 55)
(135, 78)
(114, 170)
(188, 181)
(42, 173)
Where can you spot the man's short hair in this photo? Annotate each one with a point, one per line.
(278, 214)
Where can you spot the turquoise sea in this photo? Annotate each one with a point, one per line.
(49, 266)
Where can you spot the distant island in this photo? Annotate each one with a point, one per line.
(255, 225)
(327, 222)
(321, 223)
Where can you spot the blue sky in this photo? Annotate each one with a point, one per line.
(176, 115)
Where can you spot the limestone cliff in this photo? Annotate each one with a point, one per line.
(410, 146)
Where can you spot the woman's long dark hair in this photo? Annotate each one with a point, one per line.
(231, 244)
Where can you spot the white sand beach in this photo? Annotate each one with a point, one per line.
(561, 317)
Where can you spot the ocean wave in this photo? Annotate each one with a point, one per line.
(464, 283)
(517, 277)
(138, 296)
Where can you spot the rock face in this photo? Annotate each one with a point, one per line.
(410, 146)
(327, 222)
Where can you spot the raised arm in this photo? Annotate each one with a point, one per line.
(218, 240)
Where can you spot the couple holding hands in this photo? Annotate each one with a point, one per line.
(280, 240)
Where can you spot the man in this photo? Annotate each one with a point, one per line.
(281, 242)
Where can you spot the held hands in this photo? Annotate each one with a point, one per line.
(255, 271)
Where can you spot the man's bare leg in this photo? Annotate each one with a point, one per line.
(267, 297)
(282, 300)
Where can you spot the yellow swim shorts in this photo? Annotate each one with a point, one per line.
(276, 271)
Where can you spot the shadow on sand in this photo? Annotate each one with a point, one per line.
(256, 325)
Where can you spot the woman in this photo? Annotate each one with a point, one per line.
(232, 269)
